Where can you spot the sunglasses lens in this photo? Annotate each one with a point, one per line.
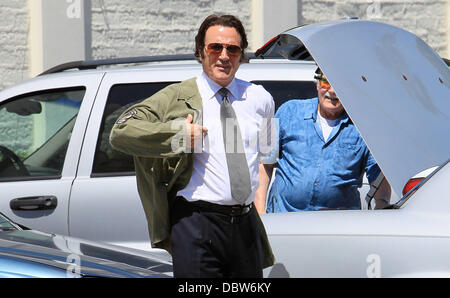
(217, 48)
(233, 49)
(325, 84)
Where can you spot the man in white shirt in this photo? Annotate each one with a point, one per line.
(214, 224)
(210, 178)
(197, 191)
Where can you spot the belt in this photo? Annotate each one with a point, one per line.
(232, 210)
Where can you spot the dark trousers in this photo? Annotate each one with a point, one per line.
(206, 243)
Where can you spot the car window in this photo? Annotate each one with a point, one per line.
(108, 161)
(35, 132)
(283, 91)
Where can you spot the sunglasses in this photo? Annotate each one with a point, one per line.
(323, 83)
(217, 48)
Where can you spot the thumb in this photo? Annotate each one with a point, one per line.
(189, 118)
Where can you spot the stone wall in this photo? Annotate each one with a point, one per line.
(13, 42)
(121, 28)
(425, 18)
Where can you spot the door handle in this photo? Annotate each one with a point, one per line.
(34, 203)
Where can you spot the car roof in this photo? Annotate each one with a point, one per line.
(161, 61)
(173, 70)
(394, 87)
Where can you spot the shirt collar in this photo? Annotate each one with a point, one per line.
(211, 87)
(311, 109)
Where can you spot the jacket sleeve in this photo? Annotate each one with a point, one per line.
(143, 130)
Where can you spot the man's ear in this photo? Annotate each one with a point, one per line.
(202, 55)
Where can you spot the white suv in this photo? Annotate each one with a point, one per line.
(58, 172)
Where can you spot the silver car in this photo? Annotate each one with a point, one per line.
(58, 172)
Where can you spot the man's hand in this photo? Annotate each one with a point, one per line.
(265, 175)
(194, 134)
(383, 195)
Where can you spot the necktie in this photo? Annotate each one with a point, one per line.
(234, 150)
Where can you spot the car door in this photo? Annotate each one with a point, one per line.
(105, 205)
(42, 126)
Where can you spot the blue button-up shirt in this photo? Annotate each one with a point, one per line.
(313, 173)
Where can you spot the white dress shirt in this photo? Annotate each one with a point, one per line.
(254, 108)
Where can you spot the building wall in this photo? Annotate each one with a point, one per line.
(425, 18)
(14, 27)
(155, 27)
(121, 28)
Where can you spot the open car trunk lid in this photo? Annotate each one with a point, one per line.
(394, 87)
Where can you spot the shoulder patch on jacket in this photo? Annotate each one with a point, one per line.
(126, 116)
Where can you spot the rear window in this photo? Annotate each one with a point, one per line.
(108, 161)
(283, 91)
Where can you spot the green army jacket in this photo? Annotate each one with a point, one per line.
(153, 132)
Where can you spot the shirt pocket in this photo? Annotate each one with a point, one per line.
(349, 145)
(348, 159)
(349, 148)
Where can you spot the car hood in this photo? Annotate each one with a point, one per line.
(27, 253)
(394, 87)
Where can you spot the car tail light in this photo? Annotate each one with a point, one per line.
(411, 184)
(262, 50)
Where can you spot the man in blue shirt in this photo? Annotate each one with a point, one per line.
(321, 158)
